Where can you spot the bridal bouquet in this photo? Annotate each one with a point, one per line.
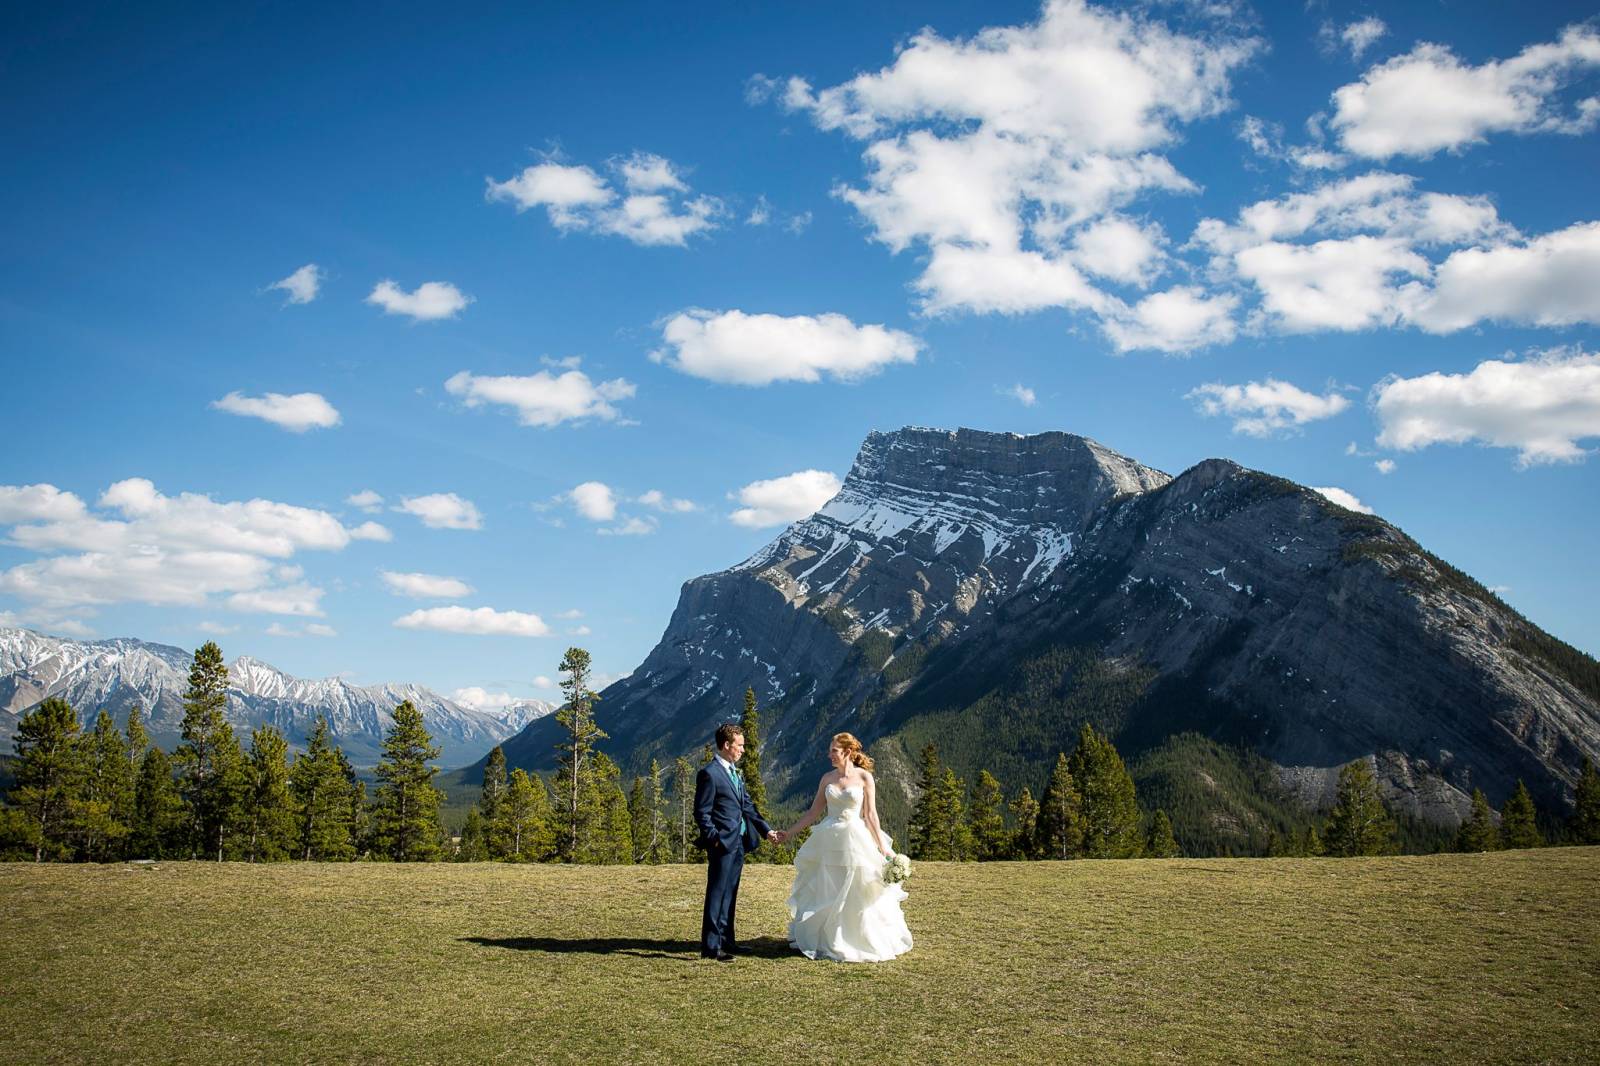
(896, 868)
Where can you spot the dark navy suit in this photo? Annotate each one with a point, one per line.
(719, 806)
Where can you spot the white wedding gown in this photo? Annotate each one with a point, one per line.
(840, 907)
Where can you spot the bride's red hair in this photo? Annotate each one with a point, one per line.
(852, 750)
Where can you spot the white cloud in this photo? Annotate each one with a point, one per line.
(1548, 281)
(760, 214)
(1350, 284)
(443, 510)
(780, 500)
(1342, 498)
(371, 531)
(366, 500)
(1021, 393)
(302, 285)
(311, 629)
(478, 621)
(579, 631)
(297, 413)
(660, 501)
(216, 629)
(630, 526)
(594, 500)
(743, 349)
(543, 682)
(480, 699)
(569, 615)
(996, 151)
(1542, 407)
(38, 503)
(317, 629)
(1384, 466)
(1427, 100)
(544, 399)
(428, 302)
(1178, 320)
(656, 210)
(1362, 35)
(1262, 408)
(301, 599)
(425, 586)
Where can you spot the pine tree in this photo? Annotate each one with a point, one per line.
(987, 821)
(638, 819)
(1311, 844)
(750, 761)
(951, 801)
(1110, 810)
(322, 802)
(269, 814)
(104, 807)
(929, 828)
(1519, 825)
(1162, 844)
(491, 804)
(1478, 830)
(358, 816)
(1586, 810)
(473, 846)
(406, 817)
(1359, 824)
(655, 847)
(529, 835)
(160, 819)
(1061, 815)
(210, 764)
(138, 739)
(49, 772)
(613, 839)
(1025, 823)
(579, 806)
(683, 806)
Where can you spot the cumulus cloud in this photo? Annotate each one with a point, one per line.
(297, 413)
(745, 349)
(1547, 281)
(544, 399)
(1356, 37)
(780, 500)
(38, 503)
(216, 629)
(371, 531)
(1384, 466)
(424, 586)
(366, 500)
(481, 699)
(1428, 100)
(443, 510)
(1342, 498)
(1178, 320)
(1263, 408)
(477, 621)
(1000, 153)
(302, 285)
(631, 526)
(594, 500)
(428, 302)
(660, 501)
(1541, 406)
(1022, 394)
(300, 599)
(654, 206)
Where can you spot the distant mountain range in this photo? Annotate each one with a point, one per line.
(1240, 636)
(114, 675)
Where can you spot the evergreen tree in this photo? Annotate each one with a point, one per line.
(406, 817)
(1478, 830)
(638, 819)
(1110, 811)
(49, 772)
(104, 807)
(1162, 844)
(491, 804)
(1586, 811)
(750, 761)
(613, 839)
(138, 739)
(579, 804)
(473, 846)
(1359, 824)
(529, 834)
(322, 802)
(987, 821)
(1025, 822)
(358, 818)
(1061, 815)
(160, 821)
(656, 847)
(210, 764)
(683, 806)
(1519, 826)
(929, 828)
(1311, 844)
(269, 814)
(952, 790)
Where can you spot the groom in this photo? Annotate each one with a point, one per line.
(729, 825)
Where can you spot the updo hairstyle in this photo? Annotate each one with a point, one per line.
(852, 750)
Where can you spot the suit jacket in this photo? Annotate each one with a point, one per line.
(719, 805)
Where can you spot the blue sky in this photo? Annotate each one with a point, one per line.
(674, 257)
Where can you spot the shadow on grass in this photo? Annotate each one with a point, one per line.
(767, 947)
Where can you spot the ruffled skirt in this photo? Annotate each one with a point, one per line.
(840, 907)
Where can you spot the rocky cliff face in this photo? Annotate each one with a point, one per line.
(1223, 602)
(114, 675)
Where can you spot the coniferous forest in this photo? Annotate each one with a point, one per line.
(92, 793)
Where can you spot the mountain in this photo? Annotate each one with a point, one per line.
(116, 674)
(1240, 636)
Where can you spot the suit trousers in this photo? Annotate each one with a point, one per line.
(723, 870)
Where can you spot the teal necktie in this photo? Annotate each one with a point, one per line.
(738, 788)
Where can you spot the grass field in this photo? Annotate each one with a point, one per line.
(1478, 958)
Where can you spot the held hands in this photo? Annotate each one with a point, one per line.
(777, 836)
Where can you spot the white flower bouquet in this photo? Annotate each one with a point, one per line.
(896, 868)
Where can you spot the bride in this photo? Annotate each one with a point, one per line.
(840, 907)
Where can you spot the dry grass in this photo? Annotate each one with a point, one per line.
(1408, 959)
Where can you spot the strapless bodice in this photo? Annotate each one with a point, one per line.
(845, 802)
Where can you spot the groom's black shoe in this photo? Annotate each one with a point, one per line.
(724, 957)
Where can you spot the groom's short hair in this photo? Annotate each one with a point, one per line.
(726, 732)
